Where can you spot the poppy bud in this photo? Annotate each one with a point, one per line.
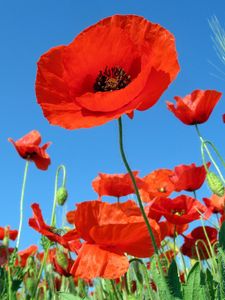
(62, 259)
(215, 184)
(45, 242)
(61, 195)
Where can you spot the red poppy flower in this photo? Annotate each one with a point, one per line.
(69, 240)
(116, 185)
(158, 184)
(180, 210)
(120, 64)
(110, 231)
(24, 255)
(188, 177)
(12, 234)
(197, 238)
(216, 204)
(29, 148)
(196, 107)
(223, 118)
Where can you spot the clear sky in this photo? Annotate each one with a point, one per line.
(153, 139)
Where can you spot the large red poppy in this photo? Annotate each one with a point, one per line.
(116, 185)
(196, 107)
(158, 184)
(197, 238)
(180, 210)
(120, 64)
(29, 148)
(110, 231)
(188, 177)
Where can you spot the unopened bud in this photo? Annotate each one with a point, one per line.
(215, 184)
(62, 259)
(61, 195)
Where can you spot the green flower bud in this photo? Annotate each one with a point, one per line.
(62, 259)
(45, 242)
(61, 196)
(215, 184)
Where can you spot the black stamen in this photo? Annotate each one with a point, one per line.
(111, 79)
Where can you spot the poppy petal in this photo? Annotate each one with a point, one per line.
(92, 262)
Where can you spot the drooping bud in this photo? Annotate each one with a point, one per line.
(62, 259)
(215, 184)
(61, 195)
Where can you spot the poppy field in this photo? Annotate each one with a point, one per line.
(143, 237)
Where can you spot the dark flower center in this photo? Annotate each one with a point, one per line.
(29, 155)
(111, 79)
(162, 190)
(178, 213)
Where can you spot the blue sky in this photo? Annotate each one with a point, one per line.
(153, 139)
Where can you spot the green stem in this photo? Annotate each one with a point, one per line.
(147, 282)
(22, 203)
(40, 272)
(204, 146)
(53, 220)
(184, 265)
(214, 264)
(61, 167)
(195, 195)
(9, 277)
(216, 151)
(174, 241)
(135, 185)
(114, 290)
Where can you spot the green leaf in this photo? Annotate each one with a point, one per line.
(222, 236)
(68, 296)
(221, 265)
(160, 281)
(16, 284)
(137, 270)
(173, 280)
(210, 284)
(195, 288)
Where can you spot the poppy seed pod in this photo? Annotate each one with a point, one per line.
(215, 184)
(61, 195)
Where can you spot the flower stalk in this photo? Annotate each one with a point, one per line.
(53, 221)
(22, 203)
(123, 155)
